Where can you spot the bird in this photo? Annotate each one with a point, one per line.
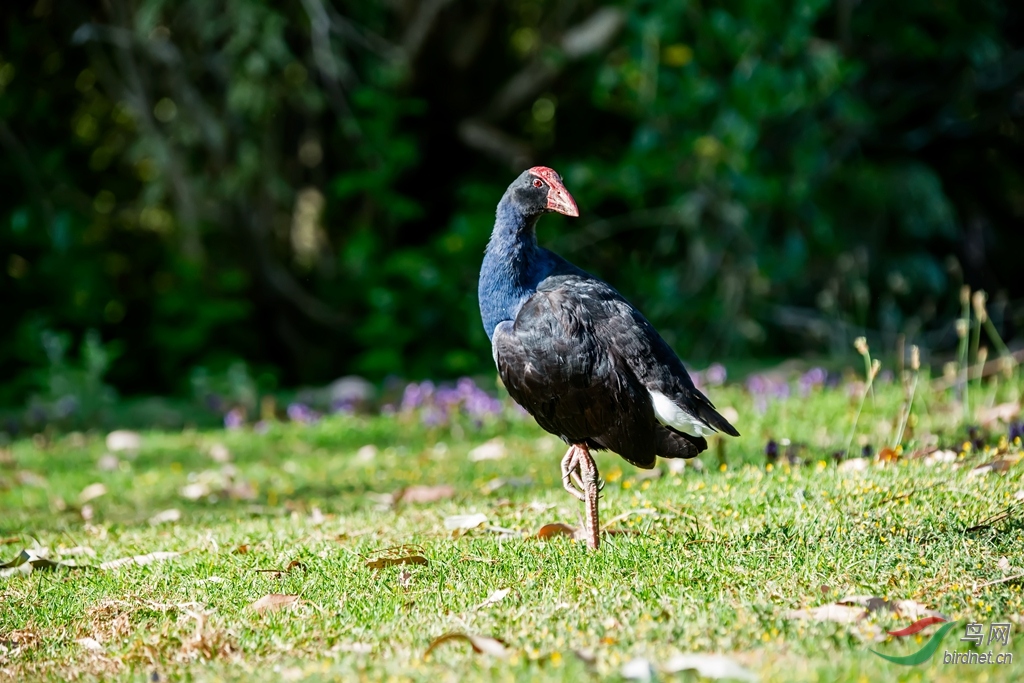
(579, 357)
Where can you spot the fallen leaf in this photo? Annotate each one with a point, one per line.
(490, 450)
(481, 644)
(220, 453)
(91, 492)
(140, 560)
(1004, 412)
(90, 643)
(382, 562)
(30, 560)
(888, 454)
(855, 607)
(165, 517)
(842, 614)
(241, 550)
(494, 598)
(708, 666)
(423, 494)
(123, 440)
(853, 465)
(939, 457)
(358, 648)
(9, 540)
(998, 465)
(78, 550)
(273, 602)
(465, 522)
(557, 529)
(195, 491)
(294, 564)
(405, 579)
(366, 453)
(107, 463)
(638, 669)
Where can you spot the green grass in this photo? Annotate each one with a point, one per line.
(714, 561)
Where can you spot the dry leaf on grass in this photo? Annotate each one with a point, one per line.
(294, 564)
(853, 465)
(423, 494)
(842, 614)
(123, 440)
(396, 555)
(165, 517)
(1004, 412)
(481, 644)
(140, 560)
(490, 450)
(90, 644)
(999, 465)
(273, 602)
(9, 540)
(31, 560)
(638, 669)
(494, 598)
(938, 457)
(853, 608)
(556, 529)
(382, 562)
(220, 453)
(465, 522)
(91, 492)
(709, 666)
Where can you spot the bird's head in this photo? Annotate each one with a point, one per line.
(540, 189)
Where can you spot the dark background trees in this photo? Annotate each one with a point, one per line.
(307, 185)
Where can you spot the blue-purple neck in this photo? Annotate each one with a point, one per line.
(513, 266)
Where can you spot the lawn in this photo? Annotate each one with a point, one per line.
(717, 560)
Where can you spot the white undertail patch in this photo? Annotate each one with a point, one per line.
(671, 415)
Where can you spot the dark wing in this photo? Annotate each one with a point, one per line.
(653, 361)
(568, 359)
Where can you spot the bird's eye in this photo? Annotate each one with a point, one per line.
(537, 182)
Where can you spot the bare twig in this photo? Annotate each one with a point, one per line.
(1005, 579)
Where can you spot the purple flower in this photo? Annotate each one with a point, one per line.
(812, 379)
(234, 419)
(715, 374)
(345, 406)
(1016, 431)
(303, 414)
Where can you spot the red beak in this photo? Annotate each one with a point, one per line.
(559, 198)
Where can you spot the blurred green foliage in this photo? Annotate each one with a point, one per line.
(308, 185)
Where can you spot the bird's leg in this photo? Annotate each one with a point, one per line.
(570, 481)
(588, 474)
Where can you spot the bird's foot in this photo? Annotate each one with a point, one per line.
(570, 478)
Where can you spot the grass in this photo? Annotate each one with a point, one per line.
(714, 561)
